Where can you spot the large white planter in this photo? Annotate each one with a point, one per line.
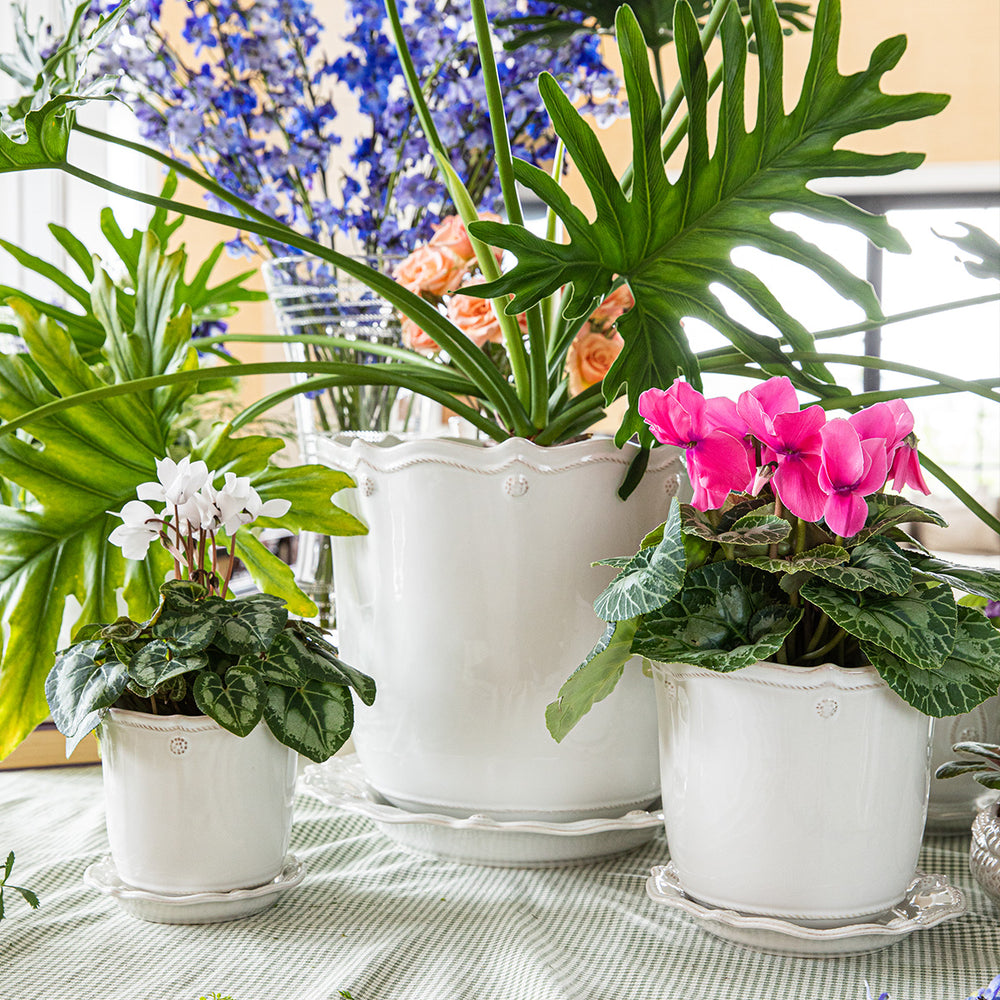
(789, 791)
(470, 603)
(190, 806)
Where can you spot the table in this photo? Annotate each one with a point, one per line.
(375, 922)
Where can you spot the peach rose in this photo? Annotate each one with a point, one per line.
(416, 340)
(433, 269)
(475, 317)
(451, 234)
(590, 356)
(613, 306)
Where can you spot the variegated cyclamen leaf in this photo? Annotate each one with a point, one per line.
(809, 561)
(979, 580)
(672, 239)
(887, 509)
(235, 701)
(314, 719)
(968, 675)
(593, 680)
(727, 616)
(250, 624)
(188, 623)
(339, 672)
(755, 529)
(699, 523)
(83, 681)
(918, 627)
(650, 578)
(161, 659)
(878, 564)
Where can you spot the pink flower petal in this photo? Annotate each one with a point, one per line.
(800, 430)
(845, 513)
(843, 459)
(906, 470)
(797, 485)
(876, 467)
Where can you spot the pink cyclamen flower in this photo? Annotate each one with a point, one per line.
(893, 422)
(711, 433)
(791, 439)
(851, 469)
(905, 468)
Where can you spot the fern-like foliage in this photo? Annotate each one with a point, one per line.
(672, 241)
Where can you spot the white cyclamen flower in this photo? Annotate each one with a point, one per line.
(178, 481)
(239, 504)
(141, 525)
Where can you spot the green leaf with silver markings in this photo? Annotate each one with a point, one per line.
(161, 659)
(593, 680)
(650, 579)
(918, 627)
(810, 561)
(83, 681)
(728, 616)
(315, 719)
(878, 564)
(754, 528)
(979, 580)
(886, 509)
(968, 675)
(249, 624)
(235, 701)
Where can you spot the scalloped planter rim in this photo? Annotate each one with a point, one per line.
(470, 603)
(191, 807)
(792, 792)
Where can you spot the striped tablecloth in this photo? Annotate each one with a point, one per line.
(374, 922)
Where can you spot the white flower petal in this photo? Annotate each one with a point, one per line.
(275, 508)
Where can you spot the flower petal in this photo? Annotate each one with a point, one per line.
(845, 513)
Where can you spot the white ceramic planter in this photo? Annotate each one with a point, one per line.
(954, 802)
(190, 806)
(792, 792)
(470, 603)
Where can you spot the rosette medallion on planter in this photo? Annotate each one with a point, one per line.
(467, 600)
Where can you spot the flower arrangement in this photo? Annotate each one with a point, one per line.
(792, 550)
(237, 661)
(254, 106)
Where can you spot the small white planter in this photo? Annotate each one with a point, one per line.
(792, 792)
(470, 603)
(191, 807)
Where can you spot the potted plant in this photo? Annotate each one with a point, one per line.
(984, 854)
(647, 231)
(797, 634)
(202, 706)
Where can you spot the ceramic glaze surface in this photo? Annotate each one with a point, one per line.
(984, 853)
(190, 806)
(793, 792)
(954, 802)
(471, 601)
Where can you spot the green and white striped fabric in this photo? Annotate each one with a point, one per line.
(374, 922)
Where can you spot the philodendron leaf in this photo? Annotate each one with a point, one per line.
(822, 556)
(978, 244)
(979, 580)
(250, 624)
(968, 675)
(726, 617)
(672, 240)
(878, 564)
(82, 682)
(271, 574)
(650, 578)
(593, 680)
(161, 659)
(235, 701)
(886, 509)
(315, 718)
(918, 627)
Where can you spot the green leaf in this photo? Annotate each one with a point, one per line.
(878, 564)
(315, 719)
(980, 245)
(819, 557)
(968, 675)
(650, 578)
(249, 624)
(271, 574)
(161, 659)
(979, 580)
(886, 509)
(918, 627)
(185, 618)
(234, 701)
(672, 241)
(83, 681)
(44, 139)
(991, 751)
(27, 895)
(726, 617)
(593, 680)
(733, 527)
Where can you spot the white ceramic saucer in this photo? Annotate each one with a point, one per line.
(479, 840)
(194, 907)
(929, 900)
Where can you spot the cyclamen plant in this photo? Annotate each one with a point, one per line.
(237, 661)
(792, 550)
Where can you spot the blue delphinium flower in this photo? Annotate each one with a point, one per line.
(254, 107)
(990, 992)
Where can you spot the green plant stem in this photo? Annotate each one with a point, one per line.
(508, 187)
(974, 505)
(812, 654)
(589, 403)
